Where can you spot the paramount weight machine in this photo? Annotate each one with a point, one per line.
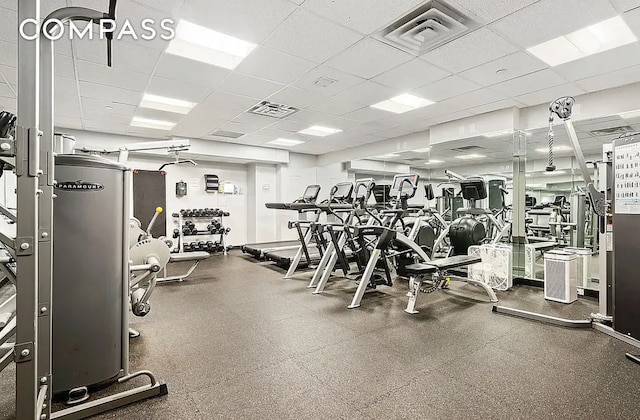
(30, 152)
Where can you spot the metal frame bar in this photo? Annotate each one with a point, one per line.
(547, 319)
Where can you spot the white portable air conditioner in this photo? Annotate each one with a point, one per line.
(560, 276)
(529, 261)
(584, 258)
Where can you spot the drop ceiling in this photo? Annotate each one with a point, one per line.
(326, 59)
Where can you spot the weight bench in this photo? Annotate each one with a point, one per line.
(193, 257)
(437, 270)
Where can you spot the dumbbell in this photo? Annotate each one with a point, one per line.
(187, 247)
(176, 233)
(175, 215)
(215, 222)
(226, 214)
(183, 212)
(227, 230)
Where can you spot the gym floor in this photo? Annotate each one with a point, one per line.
(237, 341)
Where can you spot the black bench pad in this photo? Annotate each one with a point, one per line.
(442, 264)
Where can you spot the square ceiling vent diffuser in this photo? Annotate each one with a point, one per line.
(269, 109)
(426, 28)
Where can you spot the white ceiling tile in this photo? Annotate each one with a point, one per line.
(395, 132)
(290, 126)
(273, 133)
(170, 6)
(468, 51)
(10, 74)
(610, 80)
(603, 63)
(368, 58)
(133, 56)
(109, 93)
(148, 132)
(203, 112)
(68, 122)
(98, 105)
(335, 106)
(365, 16)
(249, 20)
(548, 19)
(253, 87)
(274, 65)
(254, 119)
(293, 96)
(106, 116)
(63, 47)
(105, 127)
(515, 65)
(494, 106)
(340, 80)
(367, 93)
(322, 38)
(9, 4)
(176, 90)
(229, 101)
(488, 11)
(239, 127)
(116, 77)
(64, 67)
(624, 5)
(49, 6)
(184, 70)
(310, 117)
(345, 124)
(632, 18)
(68, 105)
(410, 75)
(66, 86)
(5, 91)
(446, 88)
(367, 114)
(196, 127)
(531, 82)
(8, 54)
(9, 24)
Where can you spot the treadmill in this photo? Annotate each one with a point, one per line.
(308, 253)
(258, 250)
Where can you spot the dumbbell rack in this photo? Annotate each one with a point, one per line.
(181, 238)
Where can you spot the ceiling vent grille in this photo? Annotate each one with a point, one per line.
(611, 131)
(426, 28)
(227, 134)
(467, 148)
(272, 110)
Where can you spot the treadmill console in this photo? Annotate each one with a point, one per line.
(341, 192)
(311, 194)
(404, 185)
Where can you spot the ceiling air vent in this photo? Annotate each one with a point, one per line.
(227, 134)
(611, 131)
(426, 28)
(272, 110)
(467, 148)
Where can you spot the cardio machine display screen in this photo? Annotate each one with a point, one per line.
(311, 193)
(407, 183)
(343, 191)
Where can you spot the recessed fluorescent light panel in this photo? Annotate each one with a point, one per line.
(555, 149)
(555, 173)
(471, 156)
(388, 156)
(402, 103)
(434, 162)
(149, 123)
(597, 38)
(424, 150)
(285, 142)
(166, 104)
(199, 43)
(319, 131)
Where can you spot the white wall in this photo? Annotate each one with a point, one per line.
(197, 197)
(291, 181)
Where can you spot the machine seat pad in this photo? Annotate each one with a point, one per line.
(420, 269)
(454, 262)
(278, 206)
(189, 256)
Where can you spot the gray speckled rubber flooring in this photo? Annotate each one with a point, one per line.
(238, 342)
